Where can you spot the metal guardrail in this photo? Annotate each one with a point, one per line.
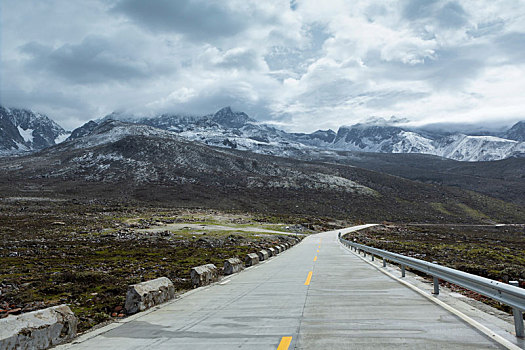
(505, 293)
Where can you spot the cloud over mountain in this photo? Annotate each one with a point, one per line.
(303, 64)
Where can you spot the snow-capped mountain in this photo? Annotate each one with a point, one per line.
(224, 128)
(231, 129)
(23, 130)
(393, 139)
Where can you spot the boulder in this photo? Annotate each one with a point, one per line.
(271, 252)
(204, 275)
(251, 259)
(142, 296)
(263, 255)
(38, 329)
(233, 265)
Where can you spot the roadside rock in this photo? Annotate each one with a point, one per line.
(263, 255)
(144, 295)
(251, 259)
(204, 275)
(232, 265)
(38, 329)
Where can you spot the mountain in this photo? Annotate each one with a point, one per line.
(225, 128)
(517, 132)
(22, 130)
(229, 129)
(130, 162)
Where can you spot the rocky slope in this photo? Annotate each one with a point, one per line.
(23, 130)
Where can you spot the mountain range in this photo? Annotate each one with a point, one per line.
(136, 162)
(230, 129)
(28, 131)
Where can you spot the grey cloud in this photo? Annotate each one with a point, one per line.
(332, 93)
(448, 14)
(385, 99)
(513, 45)
(452, 15)
(416, 9)
(94, 60)
(487, 28)
(450, 68)
(297, 59)
(196, 19)
(247, 59)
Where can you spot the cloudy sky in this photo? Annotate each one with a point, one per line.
(303, 65)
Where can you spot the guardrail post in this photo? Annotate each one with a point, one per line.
(436, 286)
(384, 262)
(372, 257)
(518, 316)
(402, 270)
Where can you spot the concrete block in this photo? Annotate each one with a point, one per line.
(233, 265)
(204, 275)
(251, 259)
(278, 249)
(283, 247)
(271, 252)
(147, 294)
(263, 255)
(38, 329)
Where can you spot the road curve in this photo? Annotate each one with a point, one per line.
(317, 295)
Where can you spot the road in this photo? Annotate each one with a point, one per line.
(317, 295)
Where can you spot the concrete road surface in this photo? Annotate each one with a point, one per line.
(317, 295)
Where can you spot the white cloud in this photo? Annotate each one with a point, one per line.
(306, 66)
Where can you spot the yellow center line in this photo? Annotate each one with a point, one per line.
(307, 283)
(285, 343)
(315, 258)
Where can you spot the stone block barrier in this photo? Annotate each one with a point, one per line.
(38, 329)
(278, 249)
(146, 294)
(263, 254)
(251, 259)
(204, 275)
(232, 265)
(271, 252)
